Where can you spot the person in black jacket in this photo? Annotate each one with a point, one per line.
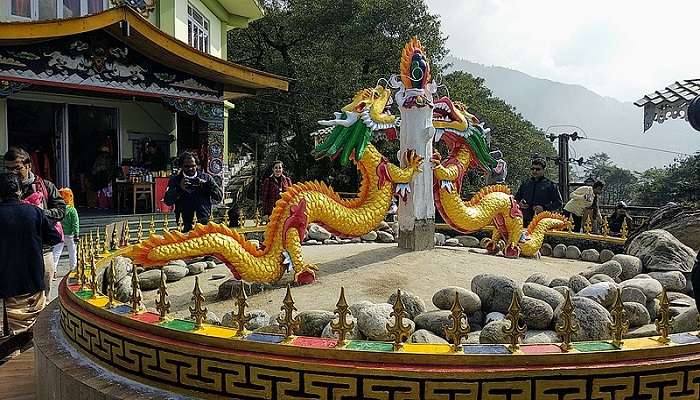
(25, 230)
(17, 161)
(192, 191)
(538, 193)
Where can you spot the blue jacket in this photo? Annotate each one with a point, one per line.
(199, 199)
(25, 229)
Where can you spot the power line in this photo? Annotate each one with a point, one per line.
(636, 146)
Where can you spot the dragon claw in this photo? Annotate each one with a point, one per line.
(512, 251)
(306, 276)
(490, 246)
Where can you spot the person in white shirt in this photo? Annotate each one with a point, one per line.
(583, 199)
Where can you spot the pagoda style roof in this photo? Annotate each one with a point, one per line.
(127, 26)
(669, 103)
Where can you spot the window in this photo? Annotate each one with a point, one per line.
(21, 8)
(95, 6)
(52, 9)
(197, 30)
(71, 8)
(48, 9)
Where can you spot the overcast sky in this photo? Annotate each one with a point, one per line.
(618, 48)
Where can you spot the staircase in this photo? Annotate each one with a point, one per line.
(241, 175)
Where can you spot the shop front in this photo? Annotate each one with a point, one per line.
(104, 103)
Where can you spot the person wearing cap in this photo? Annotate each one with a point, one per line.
(618, 218)
(538, 193)
(584, 200)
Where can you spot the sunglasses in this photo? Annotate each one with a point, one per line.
(535, 169)
(14, 168)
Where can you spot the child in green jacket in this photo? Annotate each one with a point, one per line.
(71, 229)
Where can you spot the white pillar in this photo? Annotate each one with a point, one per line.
(417, 213)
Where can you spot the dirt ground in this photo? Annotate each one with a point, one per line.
(371, 271)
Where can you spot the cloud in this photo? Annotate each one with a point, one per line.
(623, 49)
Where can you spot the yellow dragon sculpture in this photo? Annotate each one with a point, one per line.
(304, 203)
(464, 137)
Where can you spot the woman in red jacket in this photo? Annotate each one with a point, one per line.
(272, 188)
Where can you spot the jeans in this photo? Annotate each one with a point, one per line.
(69, 242)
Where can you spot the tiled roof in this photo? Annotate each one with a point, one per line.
(669, 103)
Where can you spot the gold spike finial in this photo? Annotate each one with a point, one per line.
(570, 225)
(194, 220)
(78, 259)
(588, 225)
(166, 224)
(139, 231)
(106, 243)
(226, 219)
(624, 230)
(257, 217)
(567, 326)
(127, 233)
(152, 226)
(162, 302)
(198, 312)
(606, 227)
(180, 224)
(288, 322)
(460, 325)
(135, 291)
(517, 329)
(663, 324)
(93, 278)
(241, 219)
(620, 323)
(83, 273)
(342, 327)
(110, 284)
(398, 331)
(114, 243)
(240, 317)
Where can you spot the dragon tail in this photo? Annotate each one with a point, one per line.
(541, 224)
(211, 239)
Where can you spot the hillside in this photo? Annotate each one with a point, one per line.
(547, 103)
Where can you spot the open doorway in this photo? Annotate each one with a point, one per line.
(94, 150)
(35, 126)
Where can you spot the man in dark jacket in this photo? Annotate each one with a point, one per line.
(25, 230)
(192, 191)
(17, 161)
(538, 193)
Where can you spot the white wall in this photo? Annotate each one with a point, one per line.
(214, 24)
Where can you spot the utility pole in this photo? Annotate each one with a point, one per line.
(563, 160)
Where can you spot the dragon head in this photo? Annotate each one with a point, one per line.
(368, 113)
(372, 105)
(415, 77)
(415, 69)
(459, 129)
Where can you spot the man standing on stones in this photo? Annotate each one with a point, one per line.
(17, 161)
(26, 230)
(538, 193)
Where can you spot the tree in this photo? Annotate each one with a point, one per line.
(329, 50)
(679, 182)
